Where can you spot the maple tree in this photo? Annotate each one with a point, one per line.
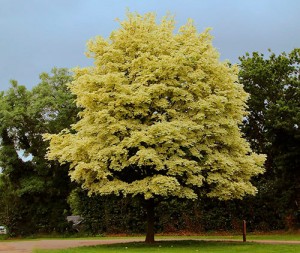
(160, 118)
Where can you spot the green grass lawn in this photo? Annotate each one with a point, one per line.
(277, 236)
(250, 236)
(184, 247)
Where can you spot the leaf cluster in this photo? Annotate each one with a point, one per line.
(160, 116)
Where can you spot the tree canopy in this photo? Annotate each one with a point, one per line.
(33, 190)
(160, 117)
(272, 127)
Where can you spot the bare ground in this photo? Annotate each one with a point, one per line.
(29, 246)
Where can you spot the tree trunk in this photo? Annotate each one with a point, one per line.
(150, 221)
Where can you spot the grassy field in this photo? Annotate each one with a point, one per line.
(251, 236)
(184, 247)
(275, 236)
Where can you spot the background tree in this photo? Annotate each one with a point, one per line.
(272, 127)
(160, 118)
(107, 214)
(37, 188)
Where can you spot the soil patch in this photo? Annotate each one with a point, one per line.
(29, 246)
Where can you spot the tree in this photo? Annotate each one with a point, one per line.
(107, 214)
(159, 118)
(36, 187)
(272, 127)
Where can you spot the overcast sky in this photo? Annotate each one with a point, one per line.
(37, 35)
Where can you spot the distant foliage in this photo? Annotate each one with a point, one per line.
(273, 128)
(33, 191)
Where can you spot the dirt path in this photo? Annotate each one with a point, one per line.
(29, 246)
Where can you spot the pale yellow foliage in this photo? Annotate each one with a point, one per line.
(160, 117)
